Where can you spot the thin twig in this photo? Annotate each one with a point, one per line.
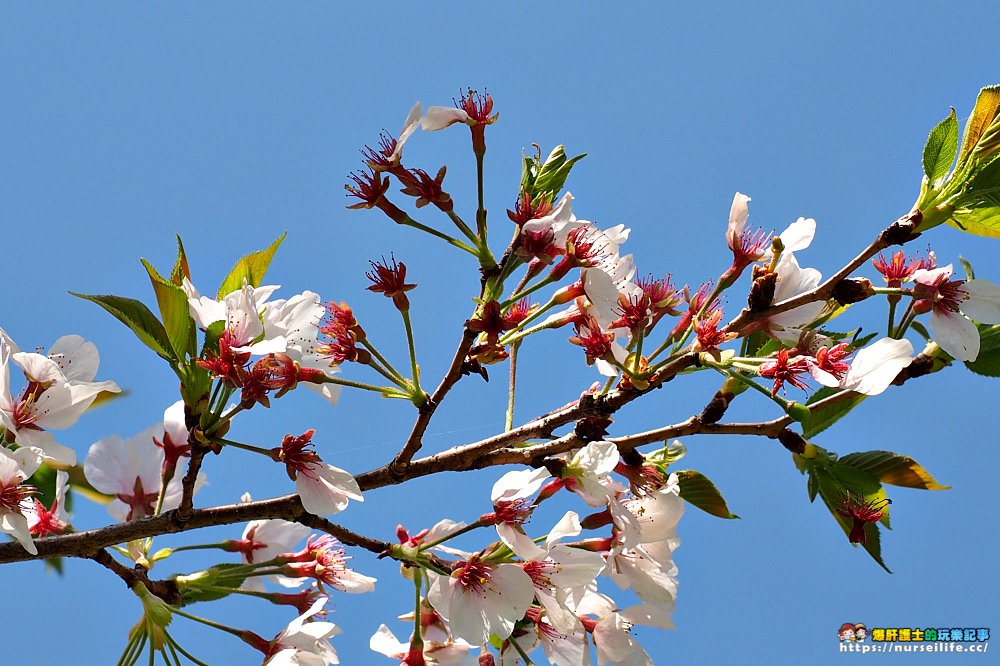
(899, 232)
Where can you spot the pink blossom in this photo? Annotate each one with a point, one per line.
(481, 598)
(59, 390)
(15, 496)
(954, 306)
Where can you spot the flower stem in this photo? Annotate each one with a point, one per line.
(511, 388)
(410, 222)
(418, 397)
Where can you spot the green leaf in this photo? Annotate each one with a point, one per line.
(983, 115)
(967, 267)
(893, 468)
(181, 269)
(824, 417)
(940, 149)
(834, 482)
(988, 361)
(702, 493)
(174, 310)
(977, 208)
(552, 174)
(250, 268)
(670, 453)
(139, 318)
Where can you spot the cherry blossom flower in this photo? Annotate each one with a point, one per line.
(323, 489)
(53, 520)
(610, 627)
(240, 310)
(794, 280)
(872, 370)
(861, 512)
(437, 653)
(472, 109)
(293, 327)
(15, 495)
(324, 559)
(264, 540)
(389, 279)
(954, 305)
(586, 472)
(60, 388)
(131, 470)
(304, 642)
(390, 151)
(899, 268)
(561, 648)
(481, 598)
(511, 509)
(749, 246)
(560, 572)
(785, 368)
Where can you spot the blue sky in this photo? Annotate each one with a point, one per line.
(122, 125)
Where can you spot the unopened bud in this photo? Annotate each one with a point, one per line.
(792, 441)
(853, 290)
(762, 290)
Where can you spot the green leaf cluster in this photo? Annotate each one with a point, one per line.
(969, 196)
(546, 179)
(860, 475)
(173, 335)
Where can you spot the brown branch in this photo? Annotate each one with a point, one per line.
(190, 481)
(899, 232)
(88, 544)
(164, 589)
(465, 457)
(489, 452)
(343, 534)
(413, 443)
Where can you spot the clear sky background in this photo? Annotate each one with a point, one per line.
(122, 125)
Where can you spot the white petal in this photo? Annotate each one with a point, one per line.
(519, 484)
(738, 215)
(983, 304)
(875, 366)
(799, 234)
(77, 358)
(439, 117)
(956, 334)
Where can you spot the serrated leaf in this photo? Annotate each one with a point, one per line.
(824, 417)
(977, 208)
(250, 268)
(940, 149)
(893, 468)
(553, 173)
(181, 269)
(702, 493)
(174, 310)
(137, 317)
(986, 110)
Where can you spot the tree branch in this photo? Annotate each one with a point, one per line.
(898, 233)
(415, 440)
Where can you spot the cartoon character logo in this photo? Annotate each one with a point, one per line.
(846, 633)
(860, 632)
